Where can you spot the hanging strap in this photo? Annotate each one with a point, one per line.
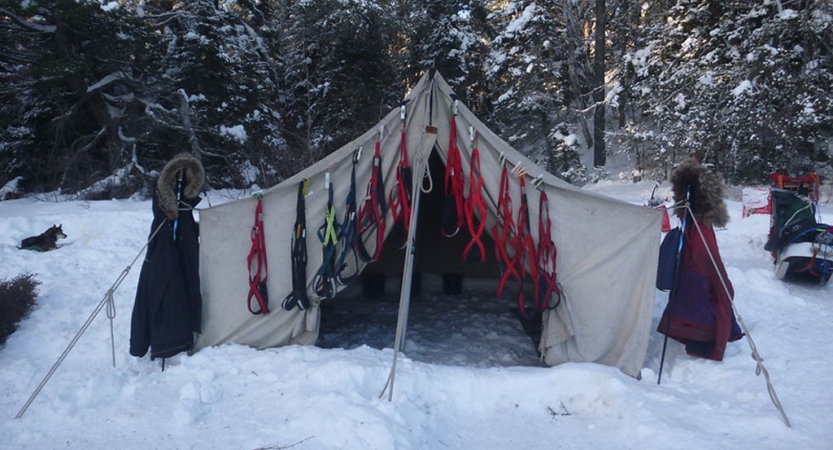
(400, 196)
(349, 231)
(298, 296)
(453, 213)
(547, 254)
(324, 283)
(475, 252)
(257, 264)
(373, 211)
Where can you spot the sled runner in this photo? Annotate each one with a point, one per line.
(799, 242)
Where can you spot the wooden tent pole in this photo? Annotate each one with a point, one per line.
(426, 145)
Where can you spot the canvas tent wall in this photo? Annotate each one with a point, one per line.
(607, 249)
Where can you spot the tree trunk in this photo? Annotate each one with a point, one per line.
(624, 77)
(185, 115)
(599, 151)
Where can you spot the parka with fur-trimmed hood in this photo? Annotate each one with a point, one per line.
(168, 306)
(699, 312)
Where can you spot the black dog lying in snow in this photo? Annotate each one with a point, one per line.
(45, 241)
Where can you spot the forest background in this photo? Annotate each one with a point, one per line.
(97, 95)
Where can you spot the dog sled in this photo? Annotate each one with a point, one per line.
(798, 241)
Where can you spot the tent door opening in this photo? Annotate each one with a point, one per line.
(455, 318)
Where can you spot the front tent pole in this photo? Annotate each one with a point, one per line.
(407, 278)
(428, 138)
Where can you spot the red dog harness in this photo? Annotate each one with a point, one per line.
(453, 214)
(475, 252)
(504, 235)
(373, 211)
(257, 264)
(525, 251)
(547, 254)
(400, 196)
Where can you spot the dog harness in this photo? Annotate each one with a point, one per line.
(373, 211)
(547, 254)
(349, 230)
(453, 214)
(525, 250)
(298, 296)
(475, 252)
(257, 264)
(504, 233)
(400, 196)
(324, 283)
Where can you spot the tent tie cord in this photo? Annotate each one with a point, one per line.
(108, 297)
(400, 195)
(453, 214)
(475, 252)
(349, 231)
(257, 264)
(759, 361)
(298, 296)
(325, 279)
(373, 211)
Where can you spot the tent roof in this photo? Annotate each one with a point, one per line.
(607, 249)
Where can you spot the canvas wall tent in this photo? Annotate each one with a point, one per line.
(607, 249)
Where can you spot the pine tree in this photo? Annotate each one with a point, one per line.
(338, 75)
(537, 71)
(743, 85)
(216, 94)
(449, 37)
(76, 69)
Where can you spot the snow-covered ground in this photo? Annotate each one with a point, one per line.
(468, 378)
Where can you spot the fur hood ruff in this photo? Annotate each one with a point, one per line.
(707, 193)
(166, 184)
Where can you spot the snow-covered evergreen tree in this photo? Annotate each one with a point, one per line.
(538, 74)
(338, 79)
(215, 93)
(449, 37)
(744, 85)
(72, 70)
